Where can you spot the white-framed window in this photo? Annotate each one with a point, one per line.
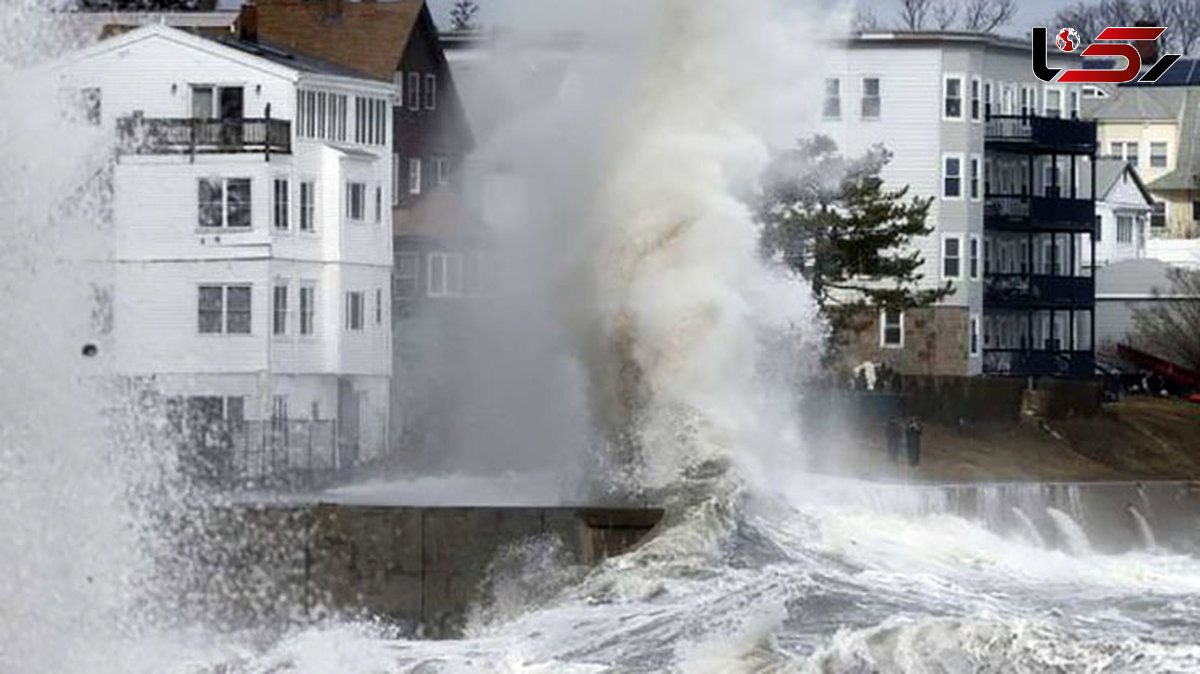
(1007, 102)
(308, 206)
(973, 336)
(952, 257)
(308, 309)
(832, 106)
(1124, 229)
(414, 175)
(282, 210)
(952, 94)
(973, 257)
(406, 281)
(1025, 104)
(321, 115)
(1158, 214)
(279, 309)
(872, 98)
(974, 178)
(952, 176)
(223, 203)
(989, 106)
(356, 302)
(976, 100)
(1131, 152)
(379, 306)
(398, 83)
(371, 120)
(1158, 155)
(430, 92)
(224, 309)
(1074, 98)
(396, 178)
(443, 170)
(891, 328)
(1053, 97)
(445, 274)
(414, 91)
(356, 200)
(378, 204)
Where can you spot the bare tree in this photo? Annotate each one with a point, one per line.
(462, 16)
(944, 14)
(1170, 327)
(913, 13)
(987, 15)
(864, 19)
(1181, 17)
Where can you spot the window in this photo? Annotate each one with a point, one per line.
(378, 306)
(279, 413)
(430, 92)
(952, 107)
(1053, 103)
(1024, 101)
(355, 307)
(414, 91)
(224, 202)
(1116, 149)
(891, 329)
(378, 204)
(224, 309)
(279, 310)
(398, 82)
(973, 259)
(973, 336)
(952, 177)
(832, 108)
(443, 172)
(405, 282)
(1131, 152)
(281, 203)
(1196, 210)
(987, 100)
(396, 178)
(1074, 104)
(1124, 229)
(414, 175)
(308, 300)
(1158, 155)
(1158, 215)
(307, 205)
(445, 274)
(952, 257)
(1099, 231)
(976, 109)
(321, 115)
(975, 178)
(872, 101)
(356, 200)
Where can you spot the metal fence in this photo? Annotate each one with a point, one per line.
(265, 454)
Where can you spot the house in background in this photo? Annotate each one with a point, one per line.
(1009, 167)
(1123, 208)
(252, 246)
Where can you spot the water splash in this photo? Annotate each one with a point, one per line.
(1073, 536)
(1143, 528)
(1027, 527)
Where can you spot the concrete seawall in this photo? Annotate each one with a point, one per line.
(418, 567)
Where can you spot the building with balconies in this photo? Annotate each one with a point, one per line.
(251, 246)
(1010, 170)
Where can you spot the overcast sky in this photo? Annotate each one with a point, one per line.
(1030, 12)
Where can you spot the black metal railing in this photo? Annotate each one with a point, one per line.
(1045, 362)
(1023, 212)
(275, 454)
(1019, 291)
(145, 135)
(1043, 133)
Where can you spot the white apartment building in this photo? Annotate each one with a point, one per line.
(1009, 171)
(253, 245)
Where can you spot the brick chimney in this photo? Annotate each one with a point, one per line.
(1148, 49)
(247, 23)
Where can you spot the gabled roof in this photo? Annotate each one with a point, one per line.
(1110, 169)
(366, 37)
(1137, 103)
(286, 57)
(1186, 175)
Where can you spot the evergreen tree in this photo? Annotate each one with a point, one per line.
(832, 221)
(462, 16)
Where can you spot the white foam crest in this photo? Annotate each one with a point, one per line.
(1073, 536)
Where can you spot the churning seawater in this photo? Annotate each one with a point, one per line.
(757, 568)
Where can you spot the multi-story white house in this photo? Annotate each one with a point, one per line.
(1009, 168)
(1123, 210)
(252, 247)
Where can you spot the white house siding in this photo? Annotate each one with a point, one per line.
(1123, 200)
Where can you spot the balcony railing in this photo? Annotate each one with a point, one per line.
(144, 135)
(1019, 212)
(1021, 291)
(1046, 363)
(277, 454)
(1043, 133)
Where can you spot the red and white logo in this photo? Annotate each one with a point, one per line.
(1113, 41)
(1067, 39)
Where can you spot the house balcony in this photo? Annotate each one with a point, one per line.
(1041, 135)
(1024, 213)
(1038, 291)
(186, 136)
(1039, 363)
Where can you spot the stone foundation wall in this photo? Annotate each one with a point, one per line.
(935, 343)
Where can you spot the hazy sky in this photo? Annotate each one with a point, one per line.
(1030, 12)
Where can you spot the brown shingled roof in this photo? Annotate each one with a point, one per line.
(368, 37)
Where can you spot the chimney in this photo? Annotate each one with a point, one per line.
(1147, 49)
(247, 23)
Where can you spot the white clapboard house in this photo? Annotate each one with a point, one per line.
(252, 252)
